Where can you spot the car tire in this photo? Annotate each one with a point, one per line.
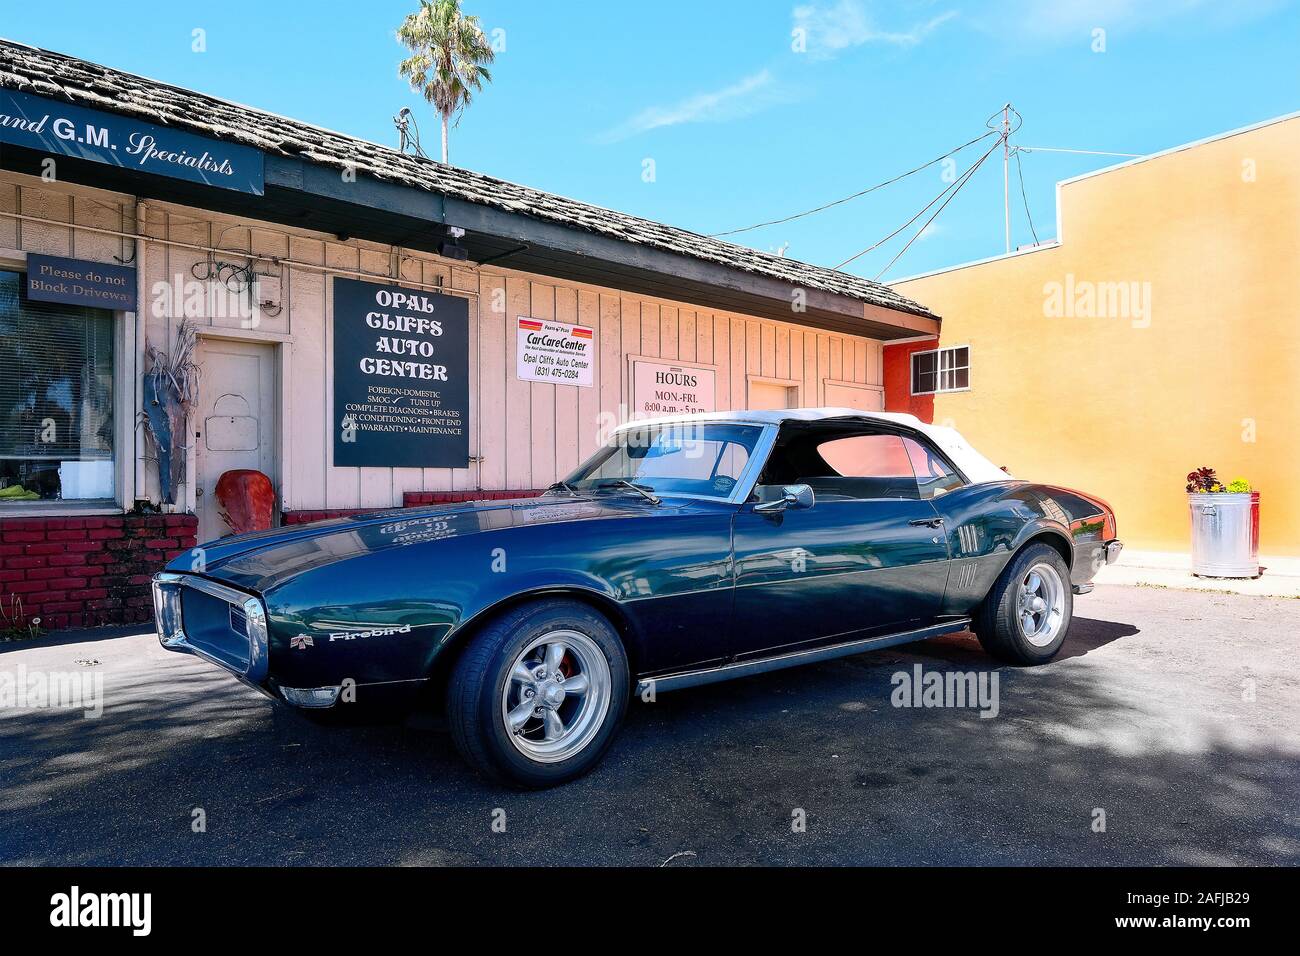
(1027, 613)
(565, 732)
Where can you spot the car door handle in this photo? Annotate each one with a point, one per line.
(926, 522)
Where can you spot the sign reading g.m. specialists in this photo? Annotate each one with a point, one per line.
(53, 126)
(401, 377)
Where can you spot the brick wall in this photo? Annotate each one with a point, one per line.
(86, 572)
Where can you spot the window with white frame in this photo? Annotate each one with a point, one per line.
(941, 370)
(56, 399)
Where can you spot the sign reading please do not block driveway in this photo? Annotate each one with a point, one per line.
(554, 352)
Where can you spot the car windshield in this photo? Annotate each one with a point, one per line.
(701, 459)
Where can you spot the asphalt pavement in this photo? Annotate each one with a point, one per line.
(1166, 732)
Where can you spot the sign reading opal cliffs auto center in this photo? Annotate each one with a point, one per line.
(401, 377)
(53, 126)
(553, 352)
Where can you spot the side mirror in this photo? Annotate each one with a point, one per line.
(793, 498)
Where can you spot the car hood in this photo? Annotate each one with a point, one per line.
(263, 559)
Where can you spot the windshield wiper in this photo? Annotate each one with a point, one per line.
(563, 486)
(641, 490)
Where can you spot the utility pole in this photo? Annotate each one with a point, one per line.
(1006, 180)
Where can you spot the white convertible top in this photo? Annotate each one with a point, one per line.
(977, 468)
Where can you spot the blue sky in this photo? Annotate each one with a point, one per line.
(740, 126)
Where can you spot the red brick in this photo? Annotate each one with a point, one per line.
(8, 549)
(81, 547)
(14, 575)
(43, 548)
(88, 594)
(26, 562)
(161, 543)
(25, 587)
(74, 534)
(100, 534)
(23, 537)
(22, 524)
(63, 606)
(40, 574)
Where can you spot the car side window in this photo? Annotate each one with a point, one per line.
(866, 466)
(933, 476)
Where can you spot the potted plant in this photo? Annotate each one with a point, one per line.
(1225, 526)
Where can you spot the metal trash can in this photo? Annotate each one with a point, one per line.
(1225, 534)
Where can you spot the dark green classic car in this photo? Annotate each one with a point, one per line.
(684, 551)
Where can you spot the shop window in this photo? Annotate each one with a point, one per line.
(56, 399)
(941, 370)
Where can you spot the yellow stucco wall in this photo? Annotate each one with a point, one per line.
(1125, 405)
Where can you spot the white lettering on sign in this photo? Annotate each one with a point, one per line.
(662, 388)
(554, 352)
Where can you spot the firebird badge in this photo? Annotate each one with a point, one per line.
(301, 642)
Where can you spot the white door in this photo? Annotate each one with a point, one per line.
(235, 424)
(862, 398)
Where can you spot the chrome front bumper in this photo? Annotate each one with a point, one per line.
(218, 623)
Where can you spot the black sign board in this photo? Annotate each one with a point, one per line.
(53, 126)
(401, 377)
(78, 282)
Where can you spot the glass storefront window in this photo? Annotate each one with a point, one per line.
(56, 399)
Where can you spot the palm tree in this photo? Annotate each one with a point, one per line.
(448, 57)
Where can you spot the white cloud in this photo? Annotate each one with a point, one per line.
(829, 29)
(743, 98)
(1063, 20)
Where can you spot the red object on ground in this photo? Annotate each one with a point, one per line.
(246, 499)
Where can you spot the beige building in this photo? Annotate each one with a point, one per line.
(245, 224)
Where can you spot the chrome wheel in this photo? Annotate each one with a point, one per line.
(556, 696)
(1040, 605)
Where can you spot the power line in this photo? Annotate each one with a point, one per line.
(954, 184)
(960, 182)
(1085, 152)
(1021, 173)
(861, 192)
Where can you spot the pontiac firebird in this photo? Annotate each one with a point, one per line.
(685, 550)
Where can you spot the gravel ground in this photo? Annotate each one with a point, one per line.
(1175, 713)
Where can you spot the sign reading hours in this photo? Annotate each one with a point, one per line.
(401, 377)
(670, 388)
